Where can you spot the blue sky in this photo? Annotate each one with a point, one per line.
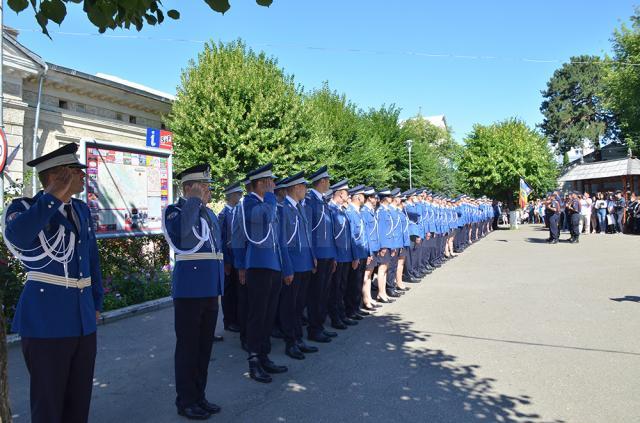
(376, 51)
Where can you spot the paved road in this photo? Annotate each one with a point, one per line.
(513, 330)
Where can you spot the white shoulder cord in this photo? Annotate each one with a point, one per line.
(319, 220)
(408, 220)
(361, 232)
(51, 251)
(244, 226)
(375, 222)
(393, 227)
(202, 237)
(295, 231)
(344, 225)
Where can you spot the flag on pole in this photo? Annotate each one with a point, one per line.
(525, 190)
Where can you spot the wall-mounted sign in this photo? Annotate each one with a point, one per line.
(159, 138)
(4, 150)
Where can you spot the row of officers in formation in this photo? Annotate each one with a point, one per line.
(281, 256)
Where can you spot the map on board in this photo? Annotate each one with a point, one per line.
(126, 191)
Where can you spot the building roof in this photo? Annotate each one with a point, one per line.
(606, 169)
(439, 121)
(128, 87)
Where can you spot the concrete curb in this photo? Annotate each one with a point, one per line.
(119, 314)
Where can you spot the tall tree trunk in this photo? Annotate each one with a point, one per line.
(5, 408)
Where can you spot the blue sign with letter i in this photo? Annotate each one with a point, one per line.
(153, 137)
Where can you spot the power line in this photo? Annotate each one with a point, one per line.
(344, 50)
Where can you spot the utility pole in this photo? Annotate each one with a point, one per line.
(409, 144)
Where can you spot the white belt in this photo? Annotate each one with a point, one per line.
(59, 280)
(199, 256)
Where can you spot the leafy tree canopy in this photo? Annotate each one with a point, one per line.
(237, 109)
(110, 14)
(496, 156)
(573, 107)
(623, 80)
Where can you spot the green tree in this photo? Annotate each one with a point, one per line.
(237, 109)
(110, 14)
(573, 106)
(354, 144)
(623, 80)
(434, 155)
(496, 156)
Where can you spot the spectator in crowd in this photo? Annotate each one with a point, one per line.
(620, 205)
(633, 215)
(600, 207)
(585, 213)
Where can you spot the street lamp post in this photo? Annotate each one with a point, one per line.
(409, 144)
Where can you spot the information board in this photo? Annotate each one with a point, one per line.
(127, 188)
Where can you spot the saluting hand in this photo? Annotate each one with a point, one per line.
(195, 191)
(60, 182)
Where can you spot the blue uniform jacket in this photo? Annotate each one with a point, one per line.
(201, 278)
(397, 228)
(45, 310)
(225, 219)
(371, 225)
(404, 226)
(358, 232)
(413, 214)
(342, 231)
(320, 219)
(297, 236)
(385, 227)
(263, 232)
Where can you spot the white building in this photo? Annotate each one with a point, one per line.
(72, 105)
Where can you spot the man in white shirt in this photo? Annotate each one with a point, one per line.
(585, 213)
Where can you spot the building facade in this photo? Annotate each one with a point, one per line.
(63, 105)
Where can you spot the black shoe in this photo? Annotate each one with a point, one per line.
(349, 322)
(555, 241)
(355, 316)
(271, 367)
(302, 346)
(372, 308)
(209, 406)
(232, 327)
(321, 337)
(338, 325)
(329, 333)
(194, 412)
(389, 301)
(393, 294)
(294, 352)
(217, 338)
(277, 333)
(256, 372)
(244, 346)
(405, 289)
(363, 312)
(378, 305)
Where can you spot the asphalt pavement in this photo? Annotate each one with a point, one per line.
(512, 330)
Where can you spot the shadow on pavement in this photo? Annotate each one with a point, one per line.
(389, 375)
(381, 370)
(629, 298)
(536, 240)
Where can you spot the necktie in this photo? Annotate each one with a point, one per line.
(69, 214)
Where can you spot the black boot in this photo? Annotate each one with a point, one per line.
(271, 367)
(256, 372)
